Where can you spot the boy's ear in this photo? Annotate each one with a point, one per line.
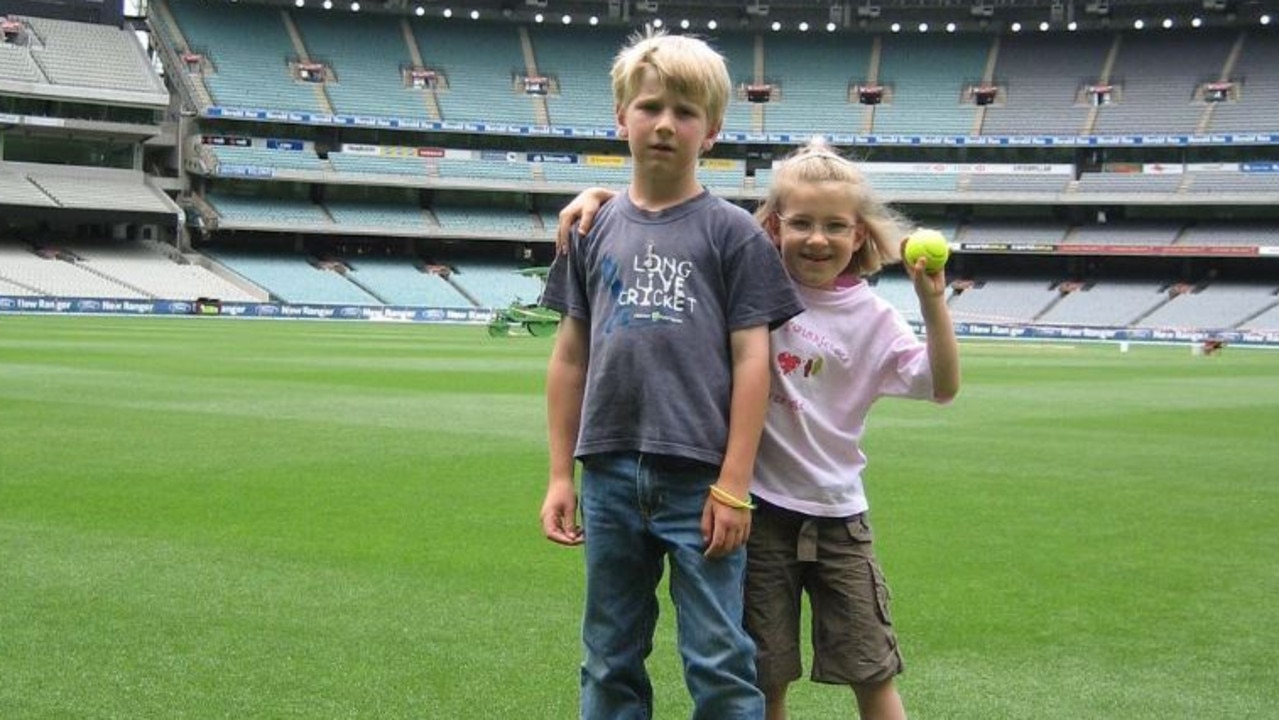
(709, 141)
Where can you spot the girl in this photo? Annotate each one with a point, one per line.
(849, 348)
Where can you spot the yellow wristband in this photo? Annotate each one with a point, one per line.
(725, 497)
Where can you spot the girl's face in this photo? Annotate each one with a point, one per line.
(818, 233)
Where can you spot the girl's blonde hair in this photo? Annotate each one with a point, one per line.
(684, 65)
(880, 226)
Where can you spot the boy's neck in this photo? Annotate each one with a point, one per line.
(653, 194)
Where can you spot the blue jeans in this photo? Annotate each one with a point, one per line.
(638, 510)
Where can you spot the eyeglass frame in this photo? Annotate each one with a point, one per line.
(787, 221)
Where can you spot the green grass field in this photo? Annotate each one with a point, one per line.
(205, 518)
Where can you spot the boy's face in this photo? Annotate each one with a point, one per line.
(666, 131)
(818, 233)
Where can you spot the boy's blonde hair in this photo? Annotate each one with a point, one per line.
(684, 64)
(816, 162)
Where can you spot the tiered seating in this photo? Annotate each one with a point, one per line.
(399, 281)
(374, 215)
(898, 290)
(583, 175)
(1125, 233)
(1116, 182)
(481, 220)
(250, 56)
(155, 274)
(1219, 306)
(1013, 232)
(1041, 75)
(1268, 320)
(1106, 304)
(256, 211)
(1233, 182)
(17, 189)
(495, 284)
(738, 50)
(481, 64)
(579, 58)
(366, 53)
(58, 278)
(1002, 300)
(1259, 92)
(12, 289)
(16, 65)
(1157, 74)
(379, 164)
(729, 181)
(889, 184)
(292, 279)
(484, 170)
(928, 76)
(93, 188)
(815, 73)
(94, 56)
(977, 182)
(1220, 234)
(259, 155)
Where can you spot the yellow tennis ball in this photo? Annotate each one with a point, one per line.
(928, 244)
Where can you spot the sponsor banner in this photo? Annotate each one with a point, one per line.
(103, 306)
(1268, 250)
(1144, 250)
(1259, 167)
(293, 145)
(1122, 168)
(1267, 338)
(499, 156)
(7, 119)
(235, 113)
(1212, 167)
(226, 140)
(614, 161)
(430, 152)
(895, 168)
(721, 164)
(1161, 169)
(559, 158)
(359, 149)
(237, 170)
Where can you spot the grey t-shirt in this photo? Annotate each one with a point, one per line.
(661, 291)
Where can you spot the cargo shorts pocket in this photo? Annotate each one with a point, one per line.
(882, 594)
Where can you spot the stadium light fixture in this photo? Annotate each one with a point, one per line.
(355, 7)
(830, 27)
(1167, 23)
(1072, 26)
(419, 11)
(951, 27)
(1138, 24)
(593, 20)
(448, 12)
(475, 14)
(1264, 19)
(711, 24)
(566, 19)
(683, 24)
(1015, 27)
(299, 3)
(923, 27)
(1043, 26)
(1196, 22)
(328, 4)
(538, 18)
(657, 22)
(776, 26)
(803, 27)
(895, 27)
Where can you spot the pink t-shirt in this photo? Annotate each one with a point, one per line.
(829, 365)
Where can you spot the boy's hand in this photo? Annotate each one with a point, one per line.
(927, 285)
(724, 528)
(559, 514)
(580, 212)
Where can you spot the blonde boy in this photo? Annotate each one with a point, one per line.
(658, 384)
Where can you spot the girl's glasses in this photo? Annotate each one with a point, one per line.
(803, 227)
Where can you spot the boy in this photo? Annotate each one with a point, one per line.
(658, 383)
